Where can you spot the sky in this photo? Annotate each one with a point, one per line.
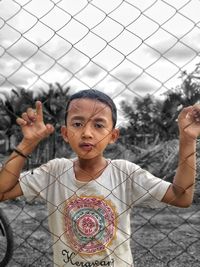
(125, 48)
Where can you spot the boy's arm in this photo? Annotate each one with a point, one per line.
(33, 130)
(11, 169)
(12, 194)
(181, 191)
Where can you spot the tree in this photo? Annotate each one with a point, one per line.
(142, 114)
(11, 107)
(190, 87)
(186, 94)
(54, 107)
(151, 116)
(54, 103)
(167, 121)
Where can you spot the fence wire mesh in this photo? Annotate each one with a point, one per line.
(144, 54)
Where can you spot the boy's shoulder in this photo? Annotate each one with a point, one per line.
(60, 161)
(123, 164)
(57, 164)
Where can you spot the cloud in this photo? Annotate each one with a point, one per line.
(8, 9)
(142, 87)
(92, 71)
(126, 75)
(177, 50)
(47, 56)
(23, 49)
(126, 72)
(20, 78)
(21, 81)
(135, 81)
(180, 53)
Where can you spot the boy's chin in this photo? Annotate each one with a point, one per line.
(89, 156)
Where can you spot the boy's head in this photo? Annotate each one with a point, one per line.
(94, 95)
(90, 123)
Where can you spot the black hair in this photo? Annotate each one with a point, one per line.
(95, 95)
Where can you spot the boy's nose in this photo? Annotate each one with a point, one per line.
(87, 131)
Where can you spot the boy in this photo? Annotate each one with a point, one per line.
(89, 198)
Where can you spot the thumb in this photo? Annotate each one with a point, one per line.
(50, 129)
(185, 112)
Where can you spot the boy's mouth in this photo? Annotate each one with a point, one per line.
(86, 146)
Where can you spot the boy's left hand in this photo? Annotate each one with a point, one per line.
(189, 121)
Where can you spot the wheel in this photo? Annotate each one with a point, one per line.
(6, 240)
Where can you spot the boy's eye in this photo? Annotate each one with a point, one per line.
(77, 124)
(99, 125)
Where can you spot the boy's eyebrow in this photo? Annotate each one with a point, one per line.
(100, 119)
(78, 117)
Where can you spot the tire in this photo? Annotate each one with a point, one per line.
(6, 240)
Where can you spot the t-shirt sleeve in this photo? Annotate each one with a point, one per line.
(147, 189)
(37, 183)
(34, 183)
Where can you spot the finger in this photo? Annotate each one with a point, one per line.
(39, 110)
(26, 118)
(196, 114)
(50, 129)
(185, 112)
(31, 113)
(21, 122)
(196, 106)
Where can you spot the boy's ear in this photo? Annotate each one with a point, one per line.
(64, 133)
(114, 136)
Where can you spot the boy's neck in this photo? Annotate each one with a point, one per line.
(87, 170)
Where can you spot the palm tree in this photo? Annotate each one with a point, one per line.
(54, 104)
(190, 87)
(143, 115)
(11, 107)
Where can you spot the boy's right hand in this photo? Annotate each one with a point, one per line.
(33, 127)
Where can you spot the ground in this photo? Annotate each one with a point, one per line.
(161, 237)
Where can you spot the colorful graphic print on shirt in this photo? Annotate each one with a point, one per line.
(90, 223)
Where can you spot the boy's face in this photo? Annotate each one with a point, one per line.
(89, 127)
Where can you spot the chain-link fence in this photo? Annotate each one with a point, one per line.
(142, 54)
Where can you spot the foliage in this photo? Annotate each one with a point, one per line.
(190, 87)
(54, 103)
(150, 119)
(14, 104)
(154, 119)
(142, 115)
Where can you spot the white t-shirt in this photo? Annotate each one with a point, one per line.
(90, 221)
